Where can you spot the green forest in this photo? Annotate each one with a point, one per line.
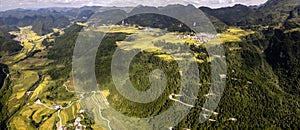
(262, 56)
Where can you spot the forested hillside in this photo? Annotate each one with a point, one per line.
(42, 22)
(262, 89)
(7, 45)
(273, 12)
(262, 50)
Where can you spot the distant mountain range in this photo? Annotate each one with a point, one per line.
(273, 12)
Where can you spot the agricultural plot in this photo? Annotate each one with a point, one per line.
(40, 111)
(232, 35)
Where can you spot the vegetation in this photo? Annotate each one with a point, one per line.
(42, 21)
(251, 84)
(262, 53)
(8, 46)
(273, 12)
(284, 57)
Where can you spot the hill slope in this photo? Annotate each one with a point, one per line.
(273, 12)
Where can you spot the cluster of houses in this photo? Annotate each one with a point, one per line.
(18, 36)
(76, 123)
(200, 37)
(57, 107)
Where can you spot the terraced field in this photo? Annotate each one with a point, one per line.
(54, 104)
(27, 113)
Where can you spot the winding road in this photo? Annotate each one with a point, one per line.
(38, 102)
(71, 90)
(94, 99)
(100, 112)
(176, 100)
(60, 121)
(7, 75)
(3, 70)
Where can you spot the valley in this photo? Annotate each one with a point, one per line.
(261, 50)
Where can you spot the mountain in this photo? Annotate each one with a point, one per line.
(277, 11)
(152, 17)
(273, 12)
(262, 85)
(43, 20)
(284, 56)
(82, 13)
(238, 15)
(7, 45)
(143, 9)
(156, 17)
(293, 20)
(108, 17)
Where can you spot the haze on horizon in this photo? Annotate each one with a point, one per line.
(33, 4)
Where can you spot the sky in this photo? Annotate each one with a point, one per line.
(13, 4)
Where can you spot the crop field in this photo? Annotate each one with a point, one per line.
(26, 72)
(22, 81)
(232, 35)
(24, 75)
(116, 29)
(145, 39)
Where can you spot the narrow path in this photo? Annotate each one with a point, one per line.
(71, 90)
(60, 121)
(38, 102)
(3, 70)
(209, 94)
(176, 100)
(70, 104)
(100, 112)
(7, 75)
(215, 113)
